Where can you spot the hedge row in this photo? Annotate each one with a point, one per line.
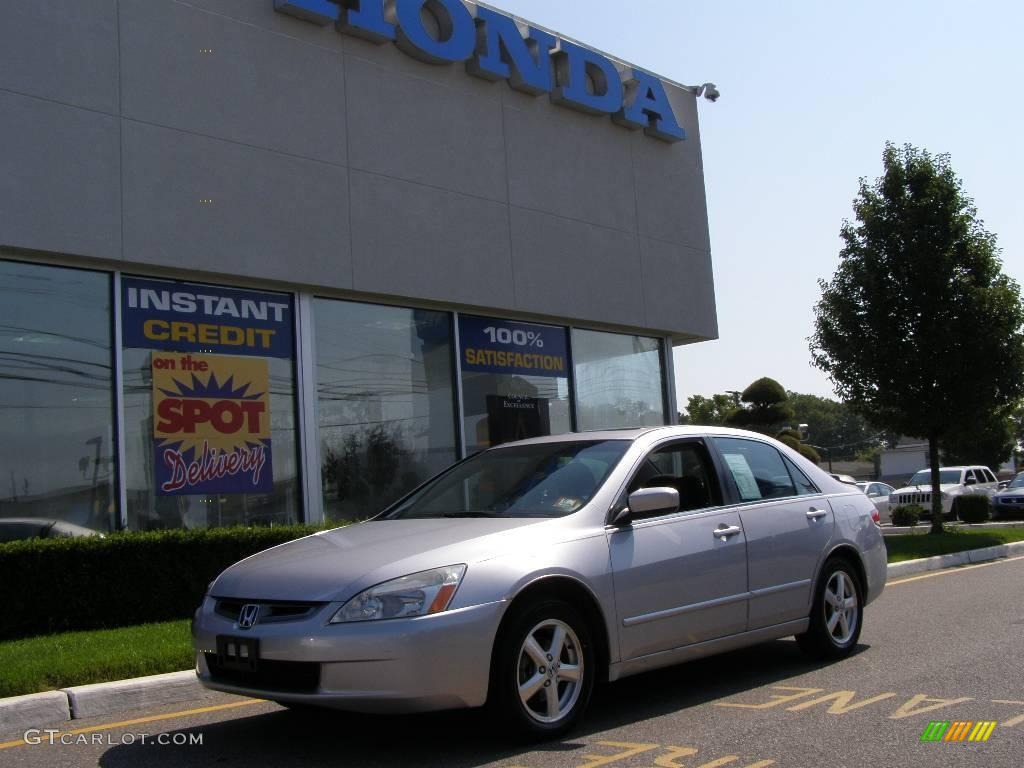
(57, 585)
(973, 508)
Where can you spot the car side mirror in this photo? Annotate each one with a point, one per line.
(970, 481)
(648, 501)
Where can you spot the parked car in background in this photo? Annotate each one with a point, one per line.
(526, 573)
(17, 528)
(1010, 501)
(953, 483)
(879, 494)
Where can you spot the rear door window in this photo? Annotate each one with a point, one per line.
(756, 468)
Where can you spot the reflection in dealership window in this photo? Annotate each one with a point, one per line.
(619, 380)
(385, 403)
(56, 396)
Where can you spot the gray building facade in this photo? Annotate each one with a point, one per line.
(394, 207)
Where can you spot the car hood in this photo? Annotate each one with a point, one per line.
(927, 488)
(340, 563)
(1011, 492)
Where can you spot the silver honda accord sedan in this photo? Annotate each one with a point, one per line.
(522, 576)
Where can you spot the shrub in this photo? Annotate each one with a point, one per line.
(973, 508)
(907, 514)
(128, 578)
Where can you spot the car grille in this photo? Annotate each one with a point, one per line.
(914, 498)
(269, 612)
(1012, 500)
(269, 675)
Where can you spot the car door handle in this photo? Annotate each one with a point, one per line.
(815, 514)
(726, 531)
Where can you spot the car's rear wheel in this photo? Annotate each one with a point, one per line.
(837, 612)
(543, 670)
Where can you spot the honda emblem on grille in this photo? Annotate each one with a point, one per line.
(247, 616)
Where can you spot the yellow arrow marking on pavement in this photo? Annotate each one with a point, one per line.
(138, 721)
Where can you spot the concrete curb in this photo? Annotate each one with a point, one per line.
(940, 562)
(19, 713)
(40, 710)
(154, 691)
(923, 528)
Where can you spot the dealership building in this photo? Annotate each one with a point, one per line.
(273, 262)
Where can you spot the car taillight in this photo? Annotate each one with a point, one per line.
(877, 518)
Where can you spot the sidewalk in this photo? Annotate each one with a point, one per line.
(52, 708)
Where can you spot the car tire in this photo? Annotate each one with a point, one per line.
(834, 631)
(538, 690)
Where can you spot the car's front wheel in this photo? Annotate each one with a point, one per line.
(837, 612)
(543, 670)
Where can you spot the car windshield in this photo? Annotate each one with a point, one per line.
(946, 477)
(537, 480)
(1017, 482)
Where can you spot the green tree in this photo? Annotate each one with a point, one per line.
(834, 425)
(708, 411)
(766, 408)
(919, 329)
(989, 442)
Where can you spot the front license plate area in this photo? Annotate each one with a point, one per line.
(239, 653)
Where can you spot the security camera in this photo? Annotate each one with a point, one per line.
(710, 92)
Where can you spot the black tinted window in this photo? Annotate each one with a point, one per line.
(804, 485)
(685, 467)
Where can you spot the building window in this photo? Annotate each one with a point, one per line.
(619, 380)
(385, 403)
(56, 397)
(209, 393)
(515, 381)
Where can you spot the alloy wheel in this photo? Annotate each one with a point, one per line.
(841, 609)
(549, 672)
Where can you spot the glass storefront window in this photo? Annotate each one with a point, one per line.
(210, 415)
(515, 381)
(56, 397)
(619, 380)
(386, 403)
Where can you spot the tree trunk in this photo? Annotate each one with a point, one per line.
(933, 463)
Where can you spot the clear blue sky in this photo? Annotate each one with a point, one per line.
(811, 91)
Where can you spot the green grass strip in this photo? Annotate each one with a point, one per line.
(77, 658)
(912, 547)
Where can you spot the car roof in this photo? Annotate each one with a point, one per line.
(633, 433)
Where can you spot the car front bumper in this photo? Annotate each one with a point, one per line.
(392, 666)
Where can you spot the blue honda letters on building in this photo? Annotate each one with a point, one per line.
(493, 47)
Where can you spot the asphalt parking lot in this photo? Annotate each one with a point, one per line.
(943, 647)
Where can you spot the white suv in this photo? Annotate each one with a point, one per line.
(953, 483)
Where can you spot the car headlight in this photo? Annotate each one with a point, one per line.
(419, 594)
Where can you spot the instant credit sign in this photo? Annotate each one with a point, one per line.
(504, 346)
(211, 424)
(184, 317)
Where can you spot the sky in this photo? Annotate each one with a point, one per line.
(811, 91)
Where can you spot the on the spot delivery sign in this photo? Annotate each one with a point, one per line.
(211, 424)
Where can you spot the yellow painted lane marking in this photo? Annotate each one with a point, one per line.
(150, 719)
(950, 571)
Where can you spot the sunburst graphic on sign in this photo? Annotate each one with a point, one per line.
(212, 389)
(215, 411)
